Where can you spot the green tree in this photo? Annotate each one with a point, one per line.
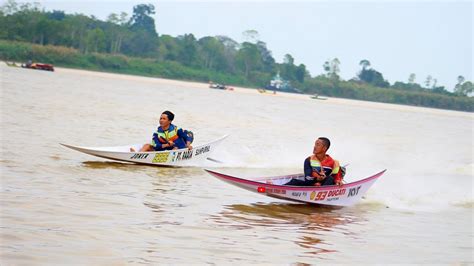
(301, 73)
(9, 7)
(115, 33)
(364, 63)
(407, 86)
(428, 81)
(332, 68)
(140, 43)
(440, 90)
(211, 50)
(95, 41)
(230, 52)
(458, 86)
(327, 68)
(77, 28)
(267, 58)
(411, 78)
(248, 58)
(168, 48)
(251, 36)
(142, 20)
(335, 68)
(289, 60)
(288, 68)
(371, 76)
(123, 18)
(228, 42)
(464, 88)
(467, 88)
(113, 18)
(41, 30)
(188, 53)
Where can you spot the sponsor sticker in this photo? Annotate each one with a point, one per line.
(331, 194)
(203, 150)
(161, 157)
(353, 191)
(276, 191)
(139, 156)
(182, 155)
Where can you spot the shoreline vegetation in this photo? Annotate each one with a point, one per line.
(132, 46)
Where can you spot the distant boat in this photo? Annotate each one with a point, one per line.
(279, 84)
(219, 86)
(265, 91)
(39, 66)
(317, 97)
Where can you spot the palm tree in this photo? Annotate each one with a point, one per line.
(364, 63)
(428, 81)
(335, 68)
(457, 88)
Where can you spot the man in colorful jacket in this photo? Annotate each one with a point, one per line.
(320, 169)
(167, 136)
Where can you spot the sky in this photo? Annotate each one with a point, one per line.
(397, 37)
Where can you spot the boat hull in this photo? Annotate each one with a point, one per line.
(181, 157)
(344, 195)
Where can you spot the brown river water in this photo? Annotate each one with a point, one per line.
(62, 207)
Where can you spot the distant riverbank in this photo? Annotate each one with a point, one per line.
(251, 91)
(72, 58)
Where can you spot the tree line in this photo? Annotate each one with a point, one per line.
(217, 58)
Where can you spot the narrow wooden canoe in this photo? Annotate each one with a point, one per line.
(344, 195)
(182, 157)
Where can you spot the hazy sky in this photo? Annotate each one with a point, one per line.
(398, 37)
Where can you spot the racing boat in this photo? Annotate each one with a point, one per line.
(181, 157)
(344, 195)
(40, 66)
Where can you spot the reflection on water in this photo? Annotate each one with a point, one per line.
(169, 192)
(165, 189)
(283, 214)
(106, 164)
(133, 167)
(155, 171)
(310, 223)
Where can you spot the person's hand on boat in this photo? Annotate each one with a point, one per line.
(168, 144)
(319, 176)
(338, 182)
(190, 147)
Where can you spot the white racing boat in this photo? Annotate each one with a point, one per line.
(182, 157)
(344, 195)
